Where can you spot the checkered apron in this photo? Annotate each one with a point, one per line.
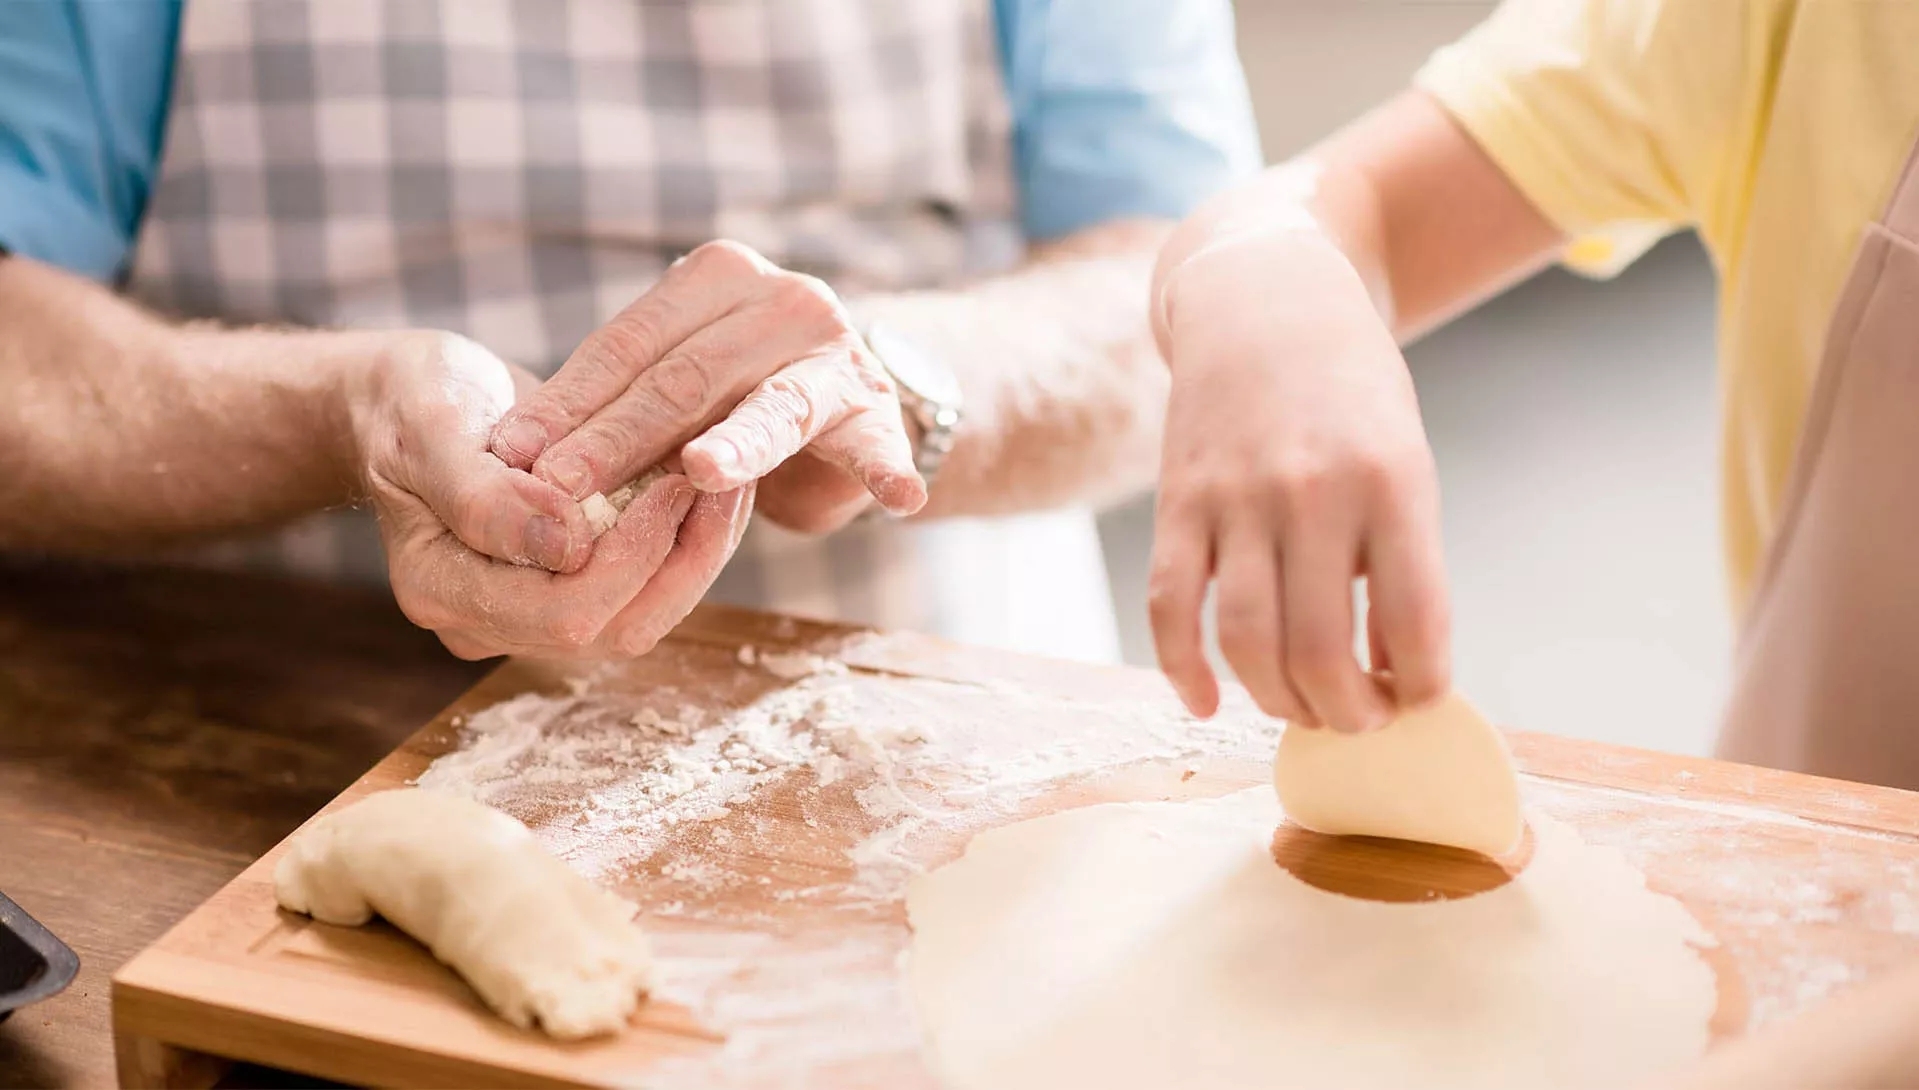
(519, 170)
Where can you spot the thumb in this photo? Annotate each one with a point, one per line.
(501, 512)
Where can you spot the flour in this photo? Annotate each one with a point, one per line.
(1796, 983)
(837, 781)
(613, 778)
(669, 796)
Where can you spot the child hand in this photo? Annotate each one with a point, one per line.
(1294, 463)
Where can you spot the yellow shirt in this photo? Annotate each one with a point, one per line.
(1776, 128)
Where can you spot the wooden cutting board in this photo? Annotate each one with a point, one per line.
(776, 911)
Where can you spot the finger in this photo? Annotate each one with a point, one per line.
(1320, 659)
(788, 410)
(794, 407)
(497, 511)
(871, 446)
(1406, 586)
(707, 540)
(1182, 563)
(690, 389)
(471, 647)
(693, 293)
(444, 586)
(1377, 659)
(1248, 614)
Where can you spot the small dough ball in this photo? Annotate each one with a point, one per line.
(603, 509)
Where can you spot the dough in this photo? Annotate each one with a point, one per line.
(1440, 774)
(1155, 945)
(539, 943)
(603, 509)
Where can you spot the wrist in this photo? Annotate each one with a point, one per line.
(1283, 265)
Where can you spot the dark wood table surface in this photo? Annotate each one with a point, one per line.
(159, 730)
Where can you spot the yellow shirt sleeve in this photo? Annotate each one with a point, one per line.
(1621, 120)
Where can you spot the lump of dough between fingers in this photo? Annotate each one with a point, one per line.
(539, 943)
(603, 509)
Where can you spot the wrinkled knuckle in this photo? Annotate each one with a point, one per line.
(725, 257)
(787, 398)
(622, 345)
(808, 299)
(682, 386)
(599, 444)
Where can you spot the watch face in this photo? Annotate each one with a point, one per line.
(921, 375)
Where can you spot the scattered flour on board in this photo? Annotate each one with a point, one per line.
(611, 777)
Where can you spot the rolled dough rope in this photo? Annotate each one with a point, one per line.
(540, 944)
(1439, 774)
(603, 509)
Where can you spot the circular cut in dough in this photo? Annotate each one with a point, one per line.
(1153, 945)
(1440, 774)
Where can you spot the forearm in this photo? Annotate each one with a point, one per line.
(1401, 205)
(125, 431)
(1065, 392)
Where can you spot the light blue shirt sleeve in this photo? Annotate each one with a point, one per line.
(1122, 108)
(84, 86)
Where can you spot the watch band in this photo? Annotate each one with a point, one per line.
(929, 395)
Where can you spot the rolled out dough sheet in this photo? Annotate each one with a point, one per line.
(1152, 945)
(1441, 774)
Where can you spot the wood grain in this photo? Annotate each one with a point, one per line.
(159, 729)
(1806, 884)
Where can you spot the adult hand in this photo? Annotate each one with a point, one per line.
(737, 365)
(1295, 463)
(469, 539)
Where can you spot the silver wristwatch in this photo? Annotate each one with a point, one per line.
(929, 394)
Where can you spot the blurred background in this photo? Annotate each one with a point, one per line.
(1575, 429)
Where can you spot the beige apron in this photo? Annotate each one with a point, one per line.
(1827, 675)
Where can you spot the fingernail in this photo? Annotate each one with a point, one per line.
(571, 475)
(523, 437)
(546, 542)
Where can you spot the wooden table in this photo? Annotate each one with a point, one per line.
(159, 730)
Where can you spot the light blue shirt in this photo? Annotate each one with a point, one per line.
(1121, 108)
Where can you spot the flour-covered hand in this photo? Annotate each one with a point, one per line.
(737, 365)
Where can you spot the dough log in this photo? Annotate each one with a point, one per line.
(540, 944)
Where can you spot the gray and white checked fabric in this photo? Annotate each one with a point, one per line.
(519, 170)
